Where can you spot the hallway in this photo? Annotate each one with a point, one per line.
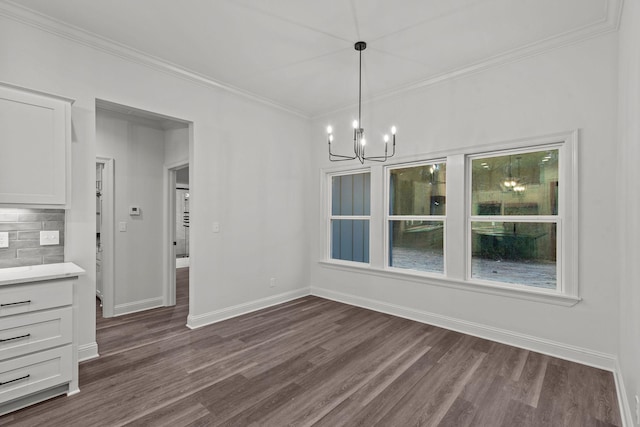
(122, 333)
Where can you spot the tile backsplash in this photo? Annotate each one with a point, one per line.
(24, 226)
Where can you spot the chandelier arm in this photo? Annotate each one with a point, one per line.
(386, 156)
(380, 159)
(338, 157)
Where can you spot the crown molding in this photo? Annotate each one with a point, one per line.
(609, 22)
(21, 14)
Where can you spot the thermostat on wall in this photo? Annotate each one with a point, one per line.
(134, 210)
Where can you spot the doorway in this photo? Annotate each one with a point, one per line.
(182, 217)
(133, 233)
(104, 234)
(177, 238)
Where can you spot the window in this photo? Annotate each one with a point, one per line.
(501, 219)
(416, 217)
(514, 217)
(350, 216)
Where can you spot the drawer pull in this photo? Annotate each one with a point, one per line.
(15, 338)
(16, 303)
(17, 379)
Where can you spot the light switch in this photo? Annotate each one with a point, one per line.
(50, 237)
(122, 226)
(4, 239)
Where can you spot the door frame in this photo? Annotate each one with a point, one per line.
(169, 234)
(107, 236)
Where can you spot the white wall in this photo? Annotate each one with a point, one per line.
(248, 163)
(568, 88)
(176, 145)
(138, 152)
(628, 178)
(252, 171)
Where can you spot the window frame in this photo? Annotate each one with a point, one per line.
(457, 239)
(546, 219)
(330, 216)
(388, 217)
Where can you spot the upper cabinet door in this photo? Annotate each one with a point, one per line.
(35, 140)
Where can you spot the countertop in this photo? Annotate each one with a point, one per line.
(36, 273)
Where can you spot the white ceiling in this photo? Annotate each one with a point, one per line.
(299, 53)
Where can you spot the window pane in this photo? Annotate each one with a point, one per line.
(418, 190)
(350, 194)
(417, 245)
(514, 252)
(350, 240)
(518, 184)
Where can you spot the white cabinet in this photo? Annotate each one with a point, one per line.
(35, 135)
(38, 338)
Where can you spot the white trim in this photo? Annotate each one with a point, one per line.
(88, 351)
(169, 230)
(625, 406)
(387, 217)
(20, 13)
(107, 235)
(182, 262)
(565, 188)
(458, 271)
(134, 307)
(37, 92)
(433, 279)
(329, 216)
(197, 321)
(552, 348)
(610, 22)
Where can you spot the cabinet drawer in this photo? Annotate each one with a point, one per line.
(27, 333)
(34, 372)
(16, 299)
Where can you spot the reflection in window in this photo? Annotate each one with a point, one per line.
(512, 247)
(417, 208)
(516, 184)
(350, 210)
(514, 252)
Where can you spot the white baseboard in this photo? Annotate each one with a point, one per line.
(200, 320)
(182, 262)
(88, 351)
(133, 307)
(528, 342)
(623, 402)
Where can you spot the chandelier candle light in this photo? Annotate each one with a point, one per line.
(359, 140)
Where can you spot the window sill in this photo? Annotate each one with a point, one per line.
(548, 297)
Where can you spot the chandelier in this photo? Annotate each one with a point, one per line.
(513, 182)
(359, 140)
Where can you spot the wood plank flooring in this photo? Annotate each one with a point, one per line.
(315, 362)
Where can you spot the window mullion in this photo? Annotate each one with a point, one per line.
(455, 235)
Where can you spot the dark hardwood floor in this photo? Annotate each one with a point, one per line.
(317, 362)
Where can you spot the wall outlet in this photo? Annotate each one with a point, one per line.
(4, 239)
(272, 282)
(637, 410)
(51, 237)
